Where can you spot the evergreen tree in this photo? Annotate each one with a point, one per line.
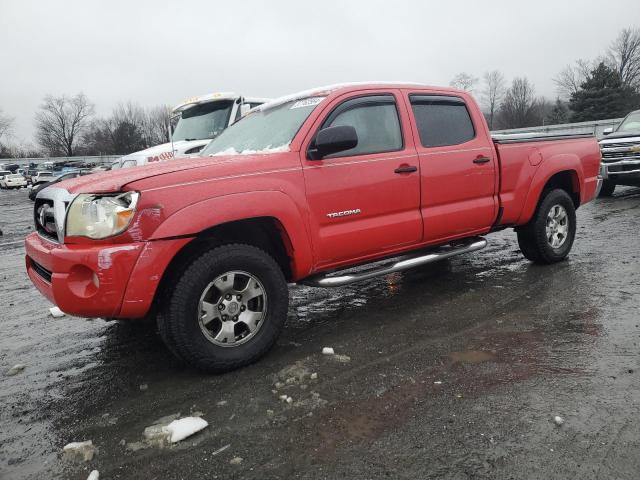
(559, 113)
(602, 96)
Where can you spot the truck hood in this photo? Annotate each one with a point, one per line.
(116, 180)
(634, 133)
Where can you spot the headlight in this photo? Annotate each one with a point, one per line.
(101, 216)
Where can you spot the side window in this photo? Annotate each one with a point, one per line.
(442, 120)
(376, 122)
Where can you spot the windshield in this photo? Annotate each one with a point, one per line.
(203, 122)
(264, 130)
(631, 123)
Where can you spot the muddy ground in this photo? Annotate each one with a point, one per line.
(456, 371)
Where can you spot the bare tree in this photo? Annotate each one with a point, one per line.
(157, 125)
(6, 126)
(569, 80)
(519, 109)
(492, 93)
(464, 81)
(624, 57)
(61, 122)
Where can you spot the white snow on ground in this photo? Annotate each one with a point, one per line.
(94, 475)
(269, 149)
(16, 369)
(328, 351)
(185, 427)
(84, 450)
(56, 312)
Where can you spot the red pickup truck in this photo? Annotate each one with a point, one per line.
(327, 187)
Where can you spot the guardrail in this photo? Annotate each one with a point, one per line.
(596, 127)
(92, 159)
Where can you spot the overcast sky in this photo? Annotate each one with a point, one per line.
(156, 52)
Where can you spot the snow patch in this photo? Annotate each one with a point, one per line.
(82, 450)
(185, 427)
(16, 369)
(56, 312)
(264, 151)
(94, 475)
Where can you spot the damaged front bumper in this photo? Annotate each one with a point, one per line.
(112, 281)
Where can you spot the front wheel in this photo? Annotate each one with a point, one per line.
(227, 308)
(549, 235)
(607, 188)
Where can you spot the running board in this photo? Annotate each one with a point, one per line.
(338, 279)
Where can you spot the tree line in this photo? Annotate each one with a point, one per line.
(602, 88)
(67, 126)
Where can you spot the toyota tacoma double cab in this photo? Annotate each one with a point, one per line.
(327, 187)
(621, 155)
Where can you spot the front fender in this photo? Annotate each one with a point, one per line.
(565, 162)
(195, 218)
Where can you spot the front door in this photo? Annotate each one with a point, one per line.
(366, 200)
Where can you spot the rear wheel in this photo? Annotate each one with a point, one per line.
(227, 308)
(549, 236)
(607, 188)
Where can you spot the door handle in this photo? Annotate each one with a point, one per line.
(406, 169)
(480, 160)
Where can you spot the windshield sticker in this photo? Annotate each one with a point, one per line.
(307, 102)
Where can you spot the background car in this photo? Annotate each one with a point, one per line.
(13, 180)
(4, 173)
(43, 176)
(42, 185)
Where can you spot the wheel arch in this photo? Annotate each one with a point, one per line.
(567, 179)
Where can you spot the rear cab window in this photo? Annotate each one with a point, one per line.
(442, 120)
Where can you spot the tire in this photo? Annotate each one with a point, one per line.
(607, 188)
(533, 239)
(218, 279)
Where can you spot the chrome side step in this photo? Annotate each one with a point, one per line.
(340, 278)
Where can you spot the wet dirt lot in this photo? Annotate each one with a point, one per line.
(455, 371)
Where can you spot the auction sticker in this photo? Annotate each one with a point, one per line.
(307, 102)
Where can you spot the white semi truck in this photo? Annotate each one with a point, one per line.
(199, 120)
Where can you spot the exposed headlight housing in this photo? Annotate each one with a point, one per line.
(101, 215)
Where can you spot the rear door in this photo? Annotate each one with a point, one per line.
(366, 200)
(457, 167)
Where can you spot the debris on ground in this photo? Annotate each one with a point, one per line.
(144, 387)
(558, 420)
(314, 376)
(279, 385)
(437, 382)
(235, 461)
(16, 369)
(328, 351)
(162, 433)
(220, 450)
(342, 358)
(94, 475)
(80, 450)
(56, 312)
(221, 403)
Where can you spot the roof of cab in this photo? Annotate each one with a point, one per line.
(347, 87)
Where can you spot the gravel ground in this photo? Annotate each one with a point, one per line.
(456, 371)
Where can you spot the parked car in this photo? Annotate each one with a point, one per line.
(621, 155)
(42, 185)
(4, 173)
(199, 120)
(303, 189)
(42, 176)
(13, 180)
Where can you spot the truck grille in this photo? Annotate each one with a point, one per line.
(44, 218)
(49, 213)
(613, 152)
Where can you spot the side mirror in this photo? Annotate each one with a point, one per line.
(607, 131)
(333, 140)
(244, 109)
